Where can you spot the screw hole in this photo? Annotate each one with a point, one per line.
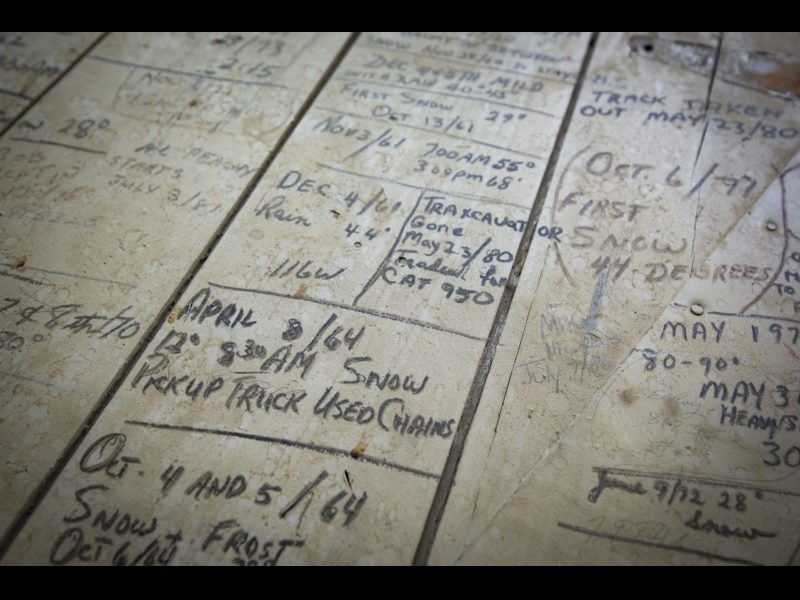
(358, 244)
(772, 226)
(697, 309)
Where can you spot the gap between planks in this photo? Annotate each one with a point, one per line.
(447, 479)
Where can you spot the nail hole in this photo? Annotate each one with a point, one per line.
(771, 226)
(401, 260)
(641, 43)
(358, 244)
(697, 309)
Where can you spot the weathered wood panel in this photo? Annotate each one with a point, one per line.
(577, 260)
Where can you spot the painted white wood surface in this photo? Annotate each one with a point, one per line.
(299, 403)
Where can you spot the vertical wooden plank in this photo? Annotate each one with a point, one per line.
(674, 142)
